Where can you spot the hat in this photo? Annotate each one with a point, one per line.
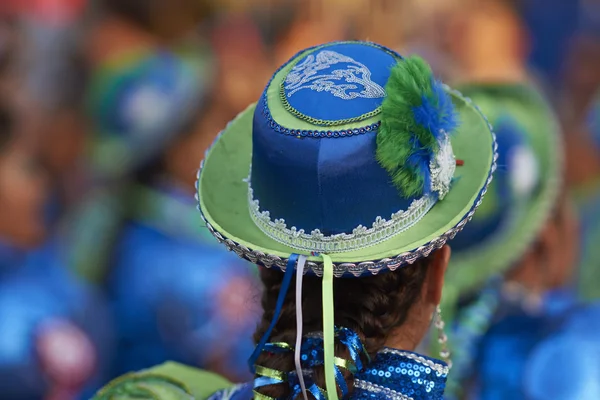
(353, 162)
(326, 162)
(140, 102)
(524, 191)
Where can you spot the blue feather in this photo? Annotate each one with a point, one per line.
(436, 112)
(418, 161)
(448, 116)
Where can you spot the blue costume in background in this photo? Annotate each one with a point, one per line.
(177, 294)
(167, 279)
(36, 289)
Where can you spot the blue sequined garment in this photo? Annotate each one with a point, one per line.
(177, 294)
(393, 374)
(509, 348)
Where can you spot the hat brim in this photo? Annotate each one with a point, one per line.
(223, 199)
(470, 269)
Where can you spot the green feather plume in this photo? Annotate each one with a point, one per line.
(414, 111)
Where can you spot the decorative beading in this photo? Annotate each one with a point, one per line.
(439, 368)
(263, 103)
(381, 390)
(305, 75)
(322, 122)
(360, 237)
(366, 267)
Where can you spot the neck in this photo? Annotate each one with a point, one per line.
(403, 340)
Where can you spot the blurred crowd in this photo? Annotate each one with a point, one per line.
(106, 110)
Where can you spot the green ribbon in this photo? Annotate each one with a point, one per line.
(328, 328)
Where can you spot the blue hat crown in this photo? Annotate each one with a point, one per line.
(317, 179)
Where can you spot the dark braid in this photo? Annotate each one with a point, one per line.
(371, 306)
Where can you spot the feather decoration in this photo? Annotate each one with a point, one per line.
(414, 115)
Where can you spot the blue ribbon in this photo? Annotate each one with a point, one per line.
(352, 341)
(311, 387)
(265, 381)
(285, 285)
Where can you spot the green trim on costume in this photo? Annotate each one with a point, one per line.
(168, 381)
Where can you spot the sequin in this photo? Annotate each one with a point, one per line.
(406, 376)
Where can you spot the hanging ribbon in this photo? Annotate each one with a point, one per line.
(352, 341)
(312, 355)
(328, 328)
(316, 391)
(299, 277)
(285, 285)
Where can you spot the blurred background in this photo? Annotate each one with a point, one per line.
(106, 109)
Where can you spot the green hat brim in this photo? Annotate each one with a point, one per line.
(470, 269)
(223, 198)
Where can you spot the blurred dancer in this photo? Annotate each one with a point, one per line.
(152, 113)
(513, 264)
(55, 335)
(171, 300)
(124, 46)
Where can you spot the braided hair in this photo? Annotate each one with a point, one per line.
(371, 306)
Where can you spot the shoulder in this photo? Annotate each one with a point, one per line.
(169, 381)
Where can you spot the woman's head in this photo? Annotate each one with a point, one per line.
(391, 309)
(22, 187)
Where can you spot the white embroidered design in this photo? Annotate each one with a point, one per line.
(360, 237)
(351, 81)
(442, 167)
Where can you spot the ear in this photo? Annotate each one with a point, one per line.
(435, 275)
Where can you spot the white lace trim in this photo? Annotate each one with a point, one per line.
(360, 237)
(374, 388)
(439, 368)
(442, 168)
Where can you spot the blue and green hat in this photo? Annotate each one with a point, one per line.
(139, 102)
(355, 161)
(351, 151)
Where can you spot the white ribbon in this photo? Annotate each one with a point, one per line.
(299, 276)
